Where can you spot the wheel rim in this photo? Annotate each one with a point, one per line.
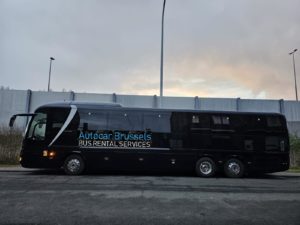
(205, 167)
(234, 168)
(73, 165)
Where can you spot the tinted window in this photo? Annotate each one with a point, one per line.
(125, 120)
(237, 122)
(180, 122)
(273, 143)
(70, 134)
(274, 121)
(134, 120)
(116, 121)
(93, 120)
(157, 121)
(58, 118)
(200, 121)
(220, 120)
(254, 122)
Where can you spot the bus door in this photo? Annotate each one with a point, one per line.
(35, 140)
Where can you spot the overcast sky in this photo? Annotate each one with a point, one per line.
(219, 48)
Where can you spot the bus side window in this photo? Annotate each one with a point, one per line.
(273, 121)
(73, 126)
(220, 121)
(134, 121)
(237, 123)
(125, 120)
(254, 123)
(157, 122)
(85, 126)
(92, 120)
(200, 121)
(116, 120)
(195, 119)
(179, 122)
(217, 120)
(57, 118)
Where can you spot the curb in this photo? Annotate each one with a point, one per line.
(15, 169)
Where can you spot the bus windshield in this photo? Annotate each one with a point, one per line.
(37, 127)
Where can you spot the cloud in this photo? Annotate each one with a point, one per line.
(212, 48)
(194, 77)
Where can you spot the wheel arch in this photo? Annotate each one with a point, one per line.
(74, 164)
(236, 156)
(238, 167)
(75, 152)
(210, 162)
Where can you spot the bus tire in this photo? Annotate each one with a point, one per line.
(206, 167)
(234, 168)
(73, 165)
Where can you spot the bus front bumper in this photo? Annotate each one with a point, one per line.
(37, 161)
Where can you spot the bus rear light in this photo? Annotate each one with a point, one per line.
(45, 153)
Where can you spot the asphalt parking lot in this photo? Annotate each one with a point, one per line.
(50, 197)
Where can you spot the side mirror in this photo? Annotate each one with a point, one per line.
(12, 120)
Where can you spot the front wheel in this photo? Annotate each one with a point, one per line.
(73, 165)
(205, 167)
(234, 168)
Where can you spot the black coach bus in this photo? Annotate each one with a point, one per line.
(76, 136)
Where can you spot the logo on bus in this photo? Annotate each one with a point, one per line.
(114, 139)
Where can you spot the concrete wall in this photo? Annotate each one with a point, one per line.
(250, 105)
(222, 104)
(24, 101)
(13, 102)
(292, 110)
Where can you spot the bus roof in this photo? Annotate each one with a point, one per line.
(78, 104)
(97, 105)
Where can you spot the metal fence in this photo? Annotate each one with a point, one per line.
(26, 101)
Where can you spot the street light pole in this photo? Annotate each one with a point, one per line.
(293, 53)
(162, 52)
(51, 59)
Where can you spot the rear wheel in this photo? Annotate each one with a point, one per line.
(234, 168)
(73, 165)
(205, 167)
